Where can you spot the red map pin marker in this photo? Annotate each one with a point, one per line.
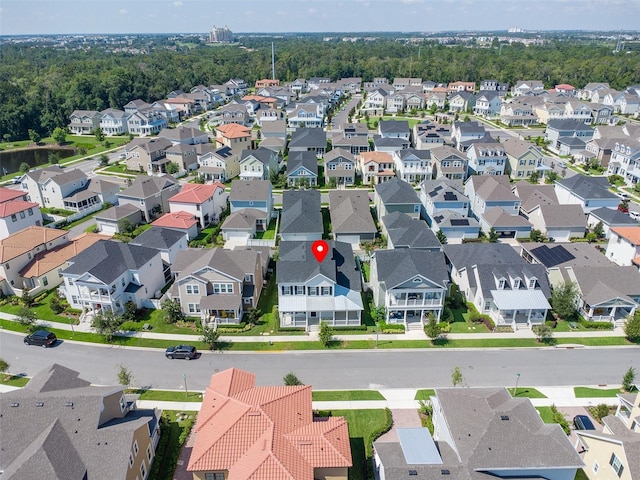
(320, 248)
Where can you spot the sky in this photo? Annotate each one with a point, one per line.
(20, 17)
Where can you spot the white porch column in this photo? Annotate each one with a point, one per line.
(529, 318)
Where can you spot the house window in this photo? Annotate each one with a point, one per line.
(616, 464)
(247, 278)
(487, 306)
(45, 282)
(22, 215)
(299, 290)
(286, 290)
(130, 460)
(149, 453)
(123, 406)
(326, 291)
(595, 467)
(214, 476)
(516, 283)
(416, 208)
(313, 291)
(60, 272)
(14, 218)
(74, 299)
(501, 284)
(332, 166)
(193, 289)
(135, 447)
(532, 283)
(143, 470)
(194, 308)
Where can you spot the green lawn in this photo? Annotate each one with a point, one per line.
(345, 395)
(580, 475)
(586, 392)
(362, 427)
(545, 414)
(461, 323)
(14, 380)
(167, 395)
(366, 270)
(41, 309)
(424, 394)
(121, 168)
(326, 224)
(174, 429)
(158, 325)
(527, 392)
(270, 233)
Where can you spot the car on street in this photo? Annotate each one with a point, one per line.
(41, 338)
(562, 165)
(122, 156)
(582, 422)
(17, 179)
(634, 215)
(186, 352)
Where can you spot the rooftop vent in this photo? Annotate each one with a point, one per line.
(68, 404)
(445, 472)
(39, 404)
(15, 404)
(413, 473)
(504, 417)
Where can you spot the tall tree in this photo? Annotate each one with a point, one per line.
(563, 299)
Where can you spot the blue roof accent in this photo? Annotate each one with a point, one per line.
(418, 447)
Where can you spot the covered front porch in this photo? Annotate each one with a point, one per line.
(221, 309)
(408, 316)
(615, 310)
(519, 308)
(309, 320)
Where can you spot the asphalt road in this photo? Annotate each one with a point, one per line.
(340, 369)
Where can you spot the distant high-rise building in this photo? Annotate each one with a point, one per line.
(219, 35)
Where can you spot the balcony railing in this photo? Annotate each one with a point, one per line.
(418, 302)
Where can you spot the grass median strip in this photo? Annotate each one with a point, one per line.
(14, 380)
(424, 394)
(167, 395)
(527, 392)
(345, 395)
(587, 392)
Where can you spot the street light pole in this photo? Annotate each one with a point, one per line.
(73, 332)
(186, 392)
(515, 391)
(377, 331)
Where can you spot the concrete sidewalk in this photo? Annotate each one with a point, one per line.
(410, 335)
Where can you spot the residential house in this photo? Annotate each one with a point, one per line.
(242, 225)
(400, 83)
(590, 88)
(600, 149)
(218, 285)
(524, 157)
(150, 156)
(490, 85)
(396, 195)
(299, 85)
(439, 99)
(252, 194)
(220, 165)
(627, 104)
(609, 218)
(578, 111)
(454, 226)
(145, 121)
(389, 144)
(448, 163)
(375, 167)
(350, 85)
(233, 113)
(150, 194)
(465, 133)
(624, 246)
(301, 216)
(603, 115)
(114, 122)
(466, 421)
(486, 159)
(184, 135)
(403, 231)
(310, 292)
(625, 161)
(18, 249)
(275, 128)
(534, 196)
(267, 115)
(500, 283)
(64, 427)
(247, 431)
(548, 111)
(309, 139)
(111, 220)
(376, 102)
(487, 104)
(351, 220)
(394, 129)
(258, 164)
(558, 129)
(559, 222)
(235, 136)
(527, 87)
(442, 194)
(504, 224)
(412, 165)
(185, 105)
(488, 191)
(184, 222)
(305, 116)
(108, 274)
(410, 284)
(588, 192)
(614, 450)
(302, 169)
(206, 202)
(571, 147)
(428, 135)
(455, 87)
(339, 164)
(83, 122)
(462, 102)
(184, 156)
(266, 82)
(395, 103)
(16, 213)
(237, 87)
(352, 137)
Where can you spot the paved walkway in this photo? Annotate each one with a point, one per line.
(410, 335)
(401, 399)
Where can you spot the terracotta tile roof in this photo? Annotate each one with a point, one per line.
(233, 130)
(265, 433)
(196, 193)
(629, 233)
(49, 260)
(7, 194)
(26, 240)
(378, 157)
(15, 206)
(176, 220)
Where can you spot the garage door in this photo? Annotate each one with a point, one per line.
(235, 234)
(108, 228)
(352, 239)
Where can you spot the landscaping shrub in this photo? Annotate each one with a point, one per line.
(350, 328)
(242, 327)
(596, 325)
(475, 317)
(40, 297)
(391, 327)
(552, 323)
(291, 329)
(447, 315)
(374, 435)
(599, 411)
(55, 305)
(503, 329)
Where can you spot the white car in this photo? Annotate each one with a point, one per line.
(635, 215)
(123, 156)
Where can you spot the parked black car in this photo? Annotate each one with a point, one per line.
(582, 422)
(181, 351)
(42, 338)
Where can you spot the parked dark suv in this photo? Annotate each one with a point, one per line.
(181, 351)
(582, 422)
(42, 338)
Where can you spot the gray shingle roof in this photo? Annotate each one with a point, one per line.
(613, 217)
(301, 212)
(107, 260)
(568, 124)
(407, 232)
(587, 187)
(572, 254)
(534, 195)
(395, 191)
(563, 216)
(306, 160)
(252, 190)
(158, 238)
(393, 126)
(498, 217)
(144, 186)
(118, 212)
(599, 284)
(235, 263)
(243, 219)
(389, 142)
(395, 267)
(308, 138)
(350, 213)
(297, 264)
(493, 188)
(444, 189)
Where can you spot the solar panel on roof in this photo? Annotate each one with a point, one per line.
(460, 222)
(450, 196)
(550, 257)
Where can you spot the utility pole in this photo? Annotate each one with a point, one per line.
(515, 391)
(186, 392)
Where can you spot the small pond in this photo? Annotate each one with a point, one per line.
(10, 160)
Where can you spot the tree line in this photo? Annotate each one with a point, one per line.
(40, 87)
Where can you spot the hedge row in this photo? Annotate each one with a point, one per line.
(596, 325)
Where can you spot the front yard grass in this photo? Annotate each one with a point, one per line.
(527, 392)
(586, 392)
(345, 395)
(167, 395)
(41, 309)
(14, 380)
(270, 233)
(424, 394)
(545, 414)
(461, 323)
(154, 317)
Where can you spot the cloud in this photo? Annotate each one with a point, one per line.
(178, 3)
(312, 11)
(122, 11)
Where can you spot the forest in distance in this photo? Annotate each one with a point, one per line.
(40, 87)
